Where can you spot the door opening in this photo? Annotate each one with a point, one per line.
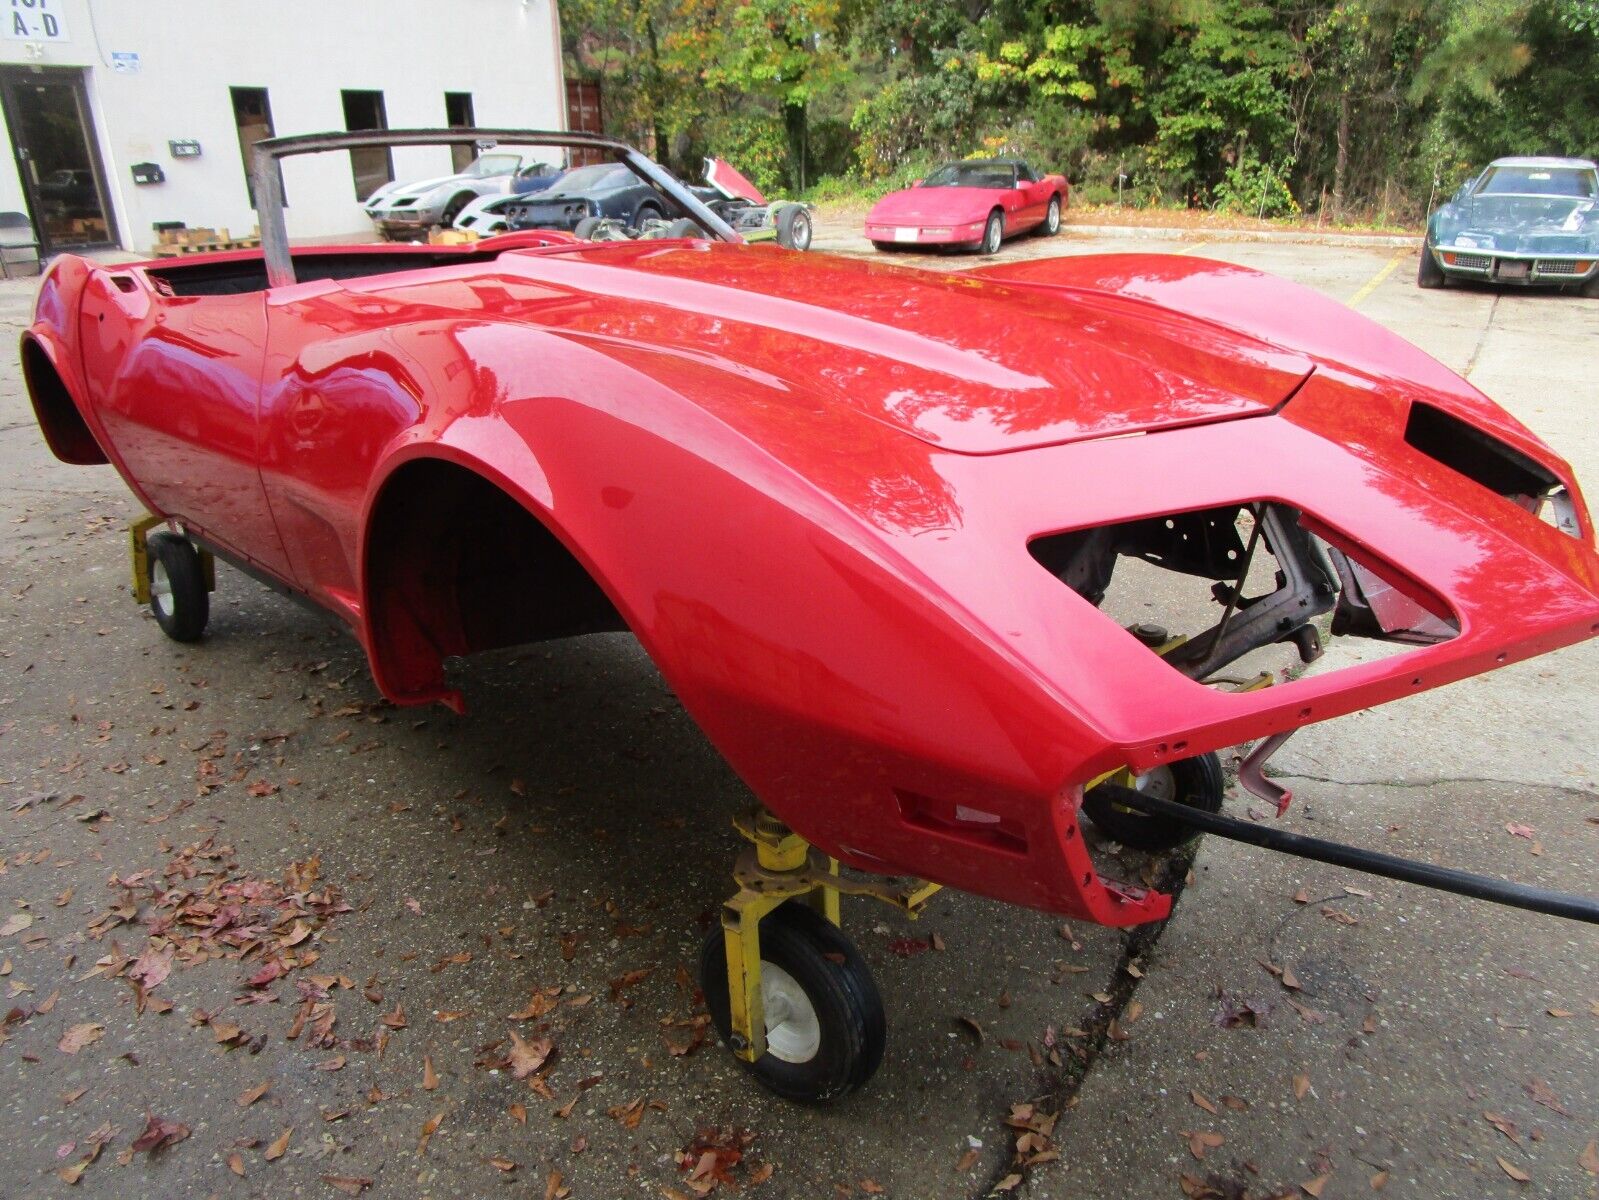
(58, 157)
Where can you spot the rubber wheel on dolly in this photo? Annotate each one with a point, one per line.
(794, 227)
(825, 1028)
(178, 597)
(1196, 782)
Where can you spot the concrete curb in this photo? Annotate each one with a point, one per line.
(1308, 236)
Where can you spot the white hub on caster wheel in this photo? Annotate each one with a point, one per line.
(793, 1030)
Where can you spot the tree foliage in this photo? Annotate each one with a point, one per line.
(1264, 106)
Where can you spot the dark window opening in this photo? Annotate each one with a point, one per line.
(57, 155)
(372, 166)
(458, 114)
(252, 115)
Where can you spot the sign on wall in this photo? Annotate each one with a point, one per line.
(35, 21)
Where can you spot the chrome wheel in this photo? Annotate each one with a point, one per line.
(793, 1030)
(993, 234)
(1052, 218)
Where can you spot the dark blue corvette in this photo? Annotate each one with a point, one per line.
(609, 191)
(1528, 222)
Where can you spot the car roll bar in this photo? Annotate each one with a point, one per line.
(268, 180)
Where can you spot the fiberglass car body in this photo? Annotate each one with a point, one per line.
(868, 521)
(408, 210)
(1525, 222)
(976, 203)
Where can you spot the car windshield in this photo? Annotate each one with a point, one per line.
(604, 175)
(486, 165)
(1576, 182)
(972, 175)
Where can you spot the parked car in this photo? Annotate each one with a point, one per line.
(485, 216)
(880, 529)
(608, 191)
(975, 203)
(407, 211)
(1525, 222)
(730, 196)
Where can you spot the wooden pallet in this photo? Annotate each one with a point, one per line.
(174, 250)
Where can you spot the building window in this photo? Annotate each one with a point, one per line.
(252, 113)
(458, 115)
(372, 166)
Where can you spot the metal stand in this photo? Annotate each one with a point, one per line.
(779, 866)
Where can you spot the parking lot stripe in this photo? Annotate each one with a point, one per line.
(1194, 247)
(1375, 281)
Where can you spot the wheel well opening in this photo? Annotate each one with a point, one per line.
(64, 428)
(455, 566)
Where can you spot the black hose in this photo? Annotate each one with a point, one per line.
(1443, 879)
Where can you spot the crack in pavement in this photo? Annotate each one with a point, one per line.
(1061, 1086)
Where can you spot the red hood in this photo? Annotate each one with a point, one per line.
(934, 206)
(968, 365)
(730, 183)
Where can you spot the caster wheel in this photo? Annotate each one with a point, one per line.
(1196, 782)
(178, 596)
(825, 1028)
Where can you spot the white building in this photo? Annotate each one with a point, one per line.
(125, 114)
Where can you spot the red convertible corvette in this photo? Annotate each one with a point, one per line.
(876, 526)
(976, 203)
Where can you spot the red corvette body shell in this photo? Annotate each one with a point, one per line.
(808, 484)
(955, 216)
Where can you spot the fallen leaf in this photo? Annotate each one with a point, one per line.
(966, 1162)
(396, 1019)
(430, 1078)
(1301, 1086)
(68, 1099)
(552, 1186)
(518, 1112)
(1510, 1169)
(1516, 829)
(1008, 1184)
(236, 1164)
(1314, 1186)
(1289, 979)
(527, 1057)
(1200, 1141)
(1379, 1181)
(251, 1095)
(1504, 1125)
(1198, 1098)
(16, 923)
(1539, 1091)
(158, 1135)
(1589, 1158)
(871, 1187)
(502, 1164)
(79, 1036)
(429, 1128)
(280, 1145)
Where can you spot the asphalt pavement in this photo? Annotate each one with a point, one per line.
(462, 895)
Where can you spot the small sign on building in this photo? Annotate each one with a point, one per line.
(124, 62)
(35, 21)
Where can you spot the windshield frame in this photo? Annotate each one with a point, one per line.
(472, 171)
(955, 169)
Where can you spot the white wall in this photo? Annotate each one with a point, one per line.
(504, 52)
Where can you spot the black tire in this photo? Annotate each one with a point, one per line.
(453, 209)
(646, 212)
(1196, 782)
(1591, 288)
(178, 598)
(1428, 273)
(1051, 225)
(794, 227)
(885, 247)
(849, 1012)
(993, 233)
(683, 228)
(584, 229)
